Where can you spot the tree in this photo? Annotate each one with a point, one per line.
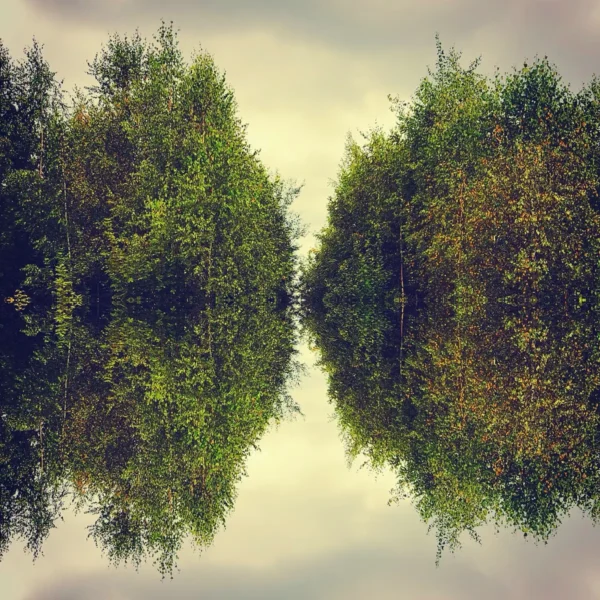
(453, 298)
(149, 336)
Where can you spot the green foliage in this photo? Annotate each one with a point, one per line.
(30, 111)
(147, 421)
(146, 186)
(353, 296)
(148, 264)
(453, 299)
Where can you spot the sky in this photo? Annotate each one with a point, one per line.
(306, 525)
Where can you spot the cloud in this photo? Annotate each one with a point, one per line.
(355, 574)
(386, 567)
(393, 39)
(357, 26)
(390, 558)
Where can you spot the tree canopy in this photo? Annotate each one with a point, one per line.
(454, 299)
(147, 335)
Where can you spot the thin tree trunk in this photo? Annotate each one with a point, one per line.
(66, 383)
(40, 166)
(41, 434)
(402, 300)
(66, 212)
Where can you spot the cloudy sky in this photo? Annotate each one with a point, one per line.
(306, 73)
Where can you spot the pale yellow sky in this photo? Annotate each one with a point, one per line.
(305, 74)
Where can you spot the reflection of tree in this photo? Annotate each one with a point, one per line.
(505, 431)
(160, 418)
(478, 383)
(146, 270)
(30, 468)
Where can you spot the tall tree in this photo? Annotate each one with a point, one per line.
(148, 337)
(458, 324)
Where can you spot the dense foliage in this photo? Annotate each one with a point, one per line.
(146, 185)
(147, 262)
(453, 297)
(146, 422)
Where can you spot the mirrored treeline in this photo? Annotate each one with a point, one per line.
(453, 297)
(147, 265)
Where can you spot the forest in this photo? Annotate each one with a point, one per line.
(146, 260)
(152, 299)
(453, 298)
